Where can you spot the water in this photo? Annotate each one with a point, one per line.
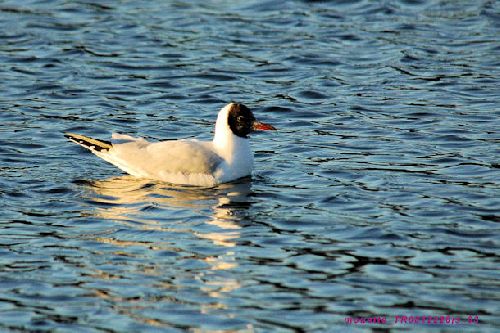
(378, 196)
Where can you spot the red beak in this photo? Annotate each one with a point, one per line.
(258, 126)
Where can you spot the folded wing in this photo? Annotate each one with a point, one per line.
(159, 159)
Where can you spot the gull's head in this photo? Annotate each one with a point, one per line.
(240, 120)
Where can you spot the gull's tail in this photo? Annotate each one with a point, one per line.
(94, 145)
(104, 150)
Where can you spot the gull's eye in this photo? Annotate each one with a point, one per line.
(240, 119)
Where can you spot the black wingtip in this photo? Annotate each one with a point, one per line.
(89, 143)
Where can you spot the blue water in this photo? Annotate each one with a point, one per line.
(378, 196)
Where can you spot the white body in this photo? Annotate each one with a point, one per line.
(191, 162)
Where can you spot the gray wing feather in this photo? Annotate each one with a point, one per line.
(178, 156)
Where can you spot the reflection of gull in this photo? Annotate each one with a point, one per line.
(225, 221)
(130, 190)
(118, 197)
(124, 199)
(128, 201)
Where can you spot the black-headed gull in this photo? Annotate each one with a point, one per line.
(190, 162)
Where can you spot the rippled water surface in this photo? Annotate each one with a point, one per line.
(378, 196)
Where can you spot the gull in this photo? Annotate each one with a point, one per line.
(186, 161)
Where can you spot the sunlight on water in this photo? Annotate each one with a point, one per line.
(374, 205)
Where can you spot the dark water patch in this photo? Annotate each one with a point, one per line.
(58, 190)
(38, 214)
(164, 84)
(214, 77)
(23, 59)
(86, 49)
(59, 26)
(309, 94)
(17, 194)
(24, 71)
(16, 10)
(26, 145)
(135, 68)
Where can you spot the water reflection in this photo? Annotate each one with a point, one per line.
(125, 197)
(141, 205)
